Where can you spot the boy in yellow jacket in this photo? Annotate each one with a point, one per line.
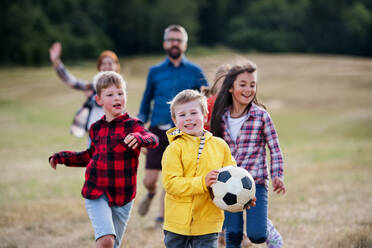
(190, 165)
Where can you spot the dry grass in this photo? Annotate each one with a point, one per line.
(321, 106)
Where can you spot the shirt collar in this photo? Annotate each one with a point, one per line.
(253, 111)
(117, 119)
(175, 132)
(167, 61)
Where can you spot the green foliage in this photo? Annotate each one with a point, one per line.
(138, 26)
(29, 27)
(357, 21)
(291, 25)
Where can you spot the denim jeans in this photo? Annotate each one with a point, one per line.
(174, 240)
(256, 224)
(108, 220)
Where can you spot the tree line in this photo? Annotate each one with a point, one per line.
(85, 28)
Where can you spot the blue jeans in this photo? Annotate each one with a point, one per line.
(174, 240)
(108, 220)
(256, 225)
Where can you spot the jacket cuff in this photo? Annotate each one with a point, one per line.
(56, 157)
(139, 139)
(205, 188)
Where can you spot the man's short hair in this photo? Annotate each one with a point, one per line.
(186, 96)
(177, 28)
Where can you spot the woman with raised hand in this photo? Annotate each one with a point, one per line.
(90, 111)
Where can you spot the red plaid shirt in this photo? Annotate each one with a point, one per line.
(111, 165)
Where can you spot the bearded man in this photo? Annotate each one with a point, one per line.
(165, 81)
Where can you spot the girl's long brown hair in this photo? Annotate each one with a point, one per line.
(224, 98)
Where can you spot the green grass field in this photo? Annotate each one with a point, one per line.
(322, 109)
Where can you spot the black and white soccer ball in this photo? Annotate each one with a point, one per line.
(235, 189)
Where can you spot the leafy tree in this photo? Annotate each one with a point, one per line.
(269, 25)
(29, 27)
(357, 22)
(138, 26)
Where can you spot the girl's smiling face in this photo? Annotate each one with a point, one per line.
(112, 99)
(244, 89)
(188, 117)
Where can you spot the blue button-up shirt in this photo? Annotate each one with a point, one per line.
(164, 82)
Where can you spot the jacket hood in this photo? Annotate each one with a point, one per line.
(175, 133)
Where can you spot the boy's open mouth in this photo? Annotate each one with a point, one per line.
(190, 125)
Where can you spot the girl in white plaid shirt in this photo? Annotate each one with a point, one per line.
(247, 127)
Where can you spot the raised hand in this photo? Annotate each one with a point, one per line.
(55, 52)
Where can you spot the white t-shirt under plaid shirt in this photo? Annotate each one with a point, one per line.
(249, 148)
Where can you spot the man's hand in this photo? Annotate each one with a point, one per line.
(144, 151)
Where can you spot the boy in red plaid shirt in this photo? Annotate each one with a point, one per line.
(111, 161)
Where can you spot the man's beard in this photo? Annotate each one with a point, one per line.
(174, 52)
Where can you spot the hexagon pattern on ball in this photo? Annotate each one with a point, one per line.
(223, 176)
(234, 189)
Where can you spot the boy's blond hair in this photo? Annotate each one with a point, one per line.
(106, 79)
(187, 96)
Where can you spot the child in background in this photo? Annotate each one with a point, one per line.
(247, 127)
(211, 93)
(190, 165)
(111, 161)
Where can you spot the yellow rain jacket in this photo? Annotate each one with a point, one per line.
(189, 209)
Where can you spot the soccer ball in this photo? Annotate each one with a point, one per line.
(234, 189)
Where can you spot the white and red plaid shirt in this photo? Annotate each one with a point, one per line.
(249, 150)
